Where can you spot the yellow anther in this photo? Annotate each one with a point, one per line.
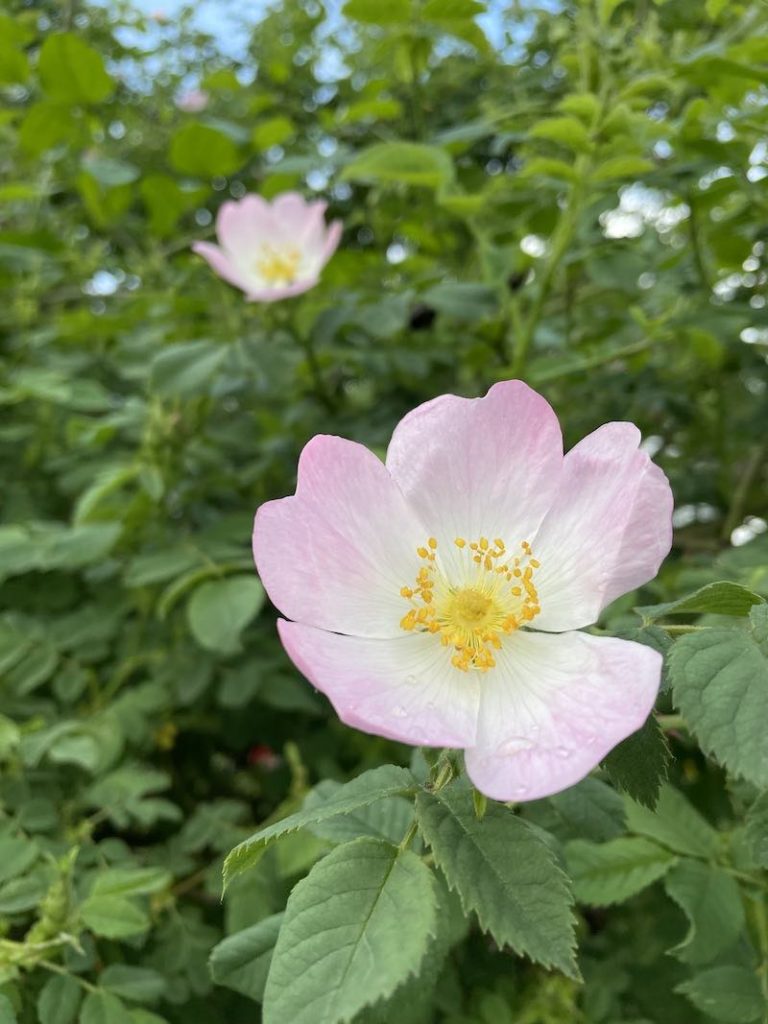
(422, 552)
(499, 543)
(432, 543)
(483, 543)
(459, 542)
(406, 592)
(535, 563)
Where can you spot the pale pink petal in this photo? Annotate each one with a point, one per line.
(222, 264)
(292, 216)
(264, 293)
(554, 706)
(243, 226)
(332, 239)
(480, 467)
(337, 554)
(404, 689)
(607, 532)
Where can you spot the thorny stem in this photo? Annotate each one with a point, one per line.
(674, 629)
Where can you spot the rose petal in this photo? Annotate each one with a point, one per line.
(243, 226)
(608, 531)
(221, 263)
(286, 291)
(480, 467)
(404, 689)
(554, 706)
(337, 553)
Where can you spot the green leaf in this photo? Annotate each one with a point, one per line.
(618, 167)
(101, 1007)
(378, 12)
(273, 132)
(377, 784)
(567, 131)
(463, 300)
(109, 172)
(756, 833)
(605, 873)
(7, 1012)
(186, 369)
(590, 809)
(639, 764)
(720, 684)
(503, 871)
(407, 163)
(113, 917)
(711, 901)
(59, 1000)
(241, 961)
(723, 598)
(354, 929)
(674, 823)
(219, 611)
(731, 994)
(136, 984)
(386, 819)
(71, 72)
(16, 855)
(547, 167)
(202, 151)
(130, 881)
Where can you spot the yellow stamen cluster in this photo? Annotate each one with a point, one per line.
(497, 596)
(278, 266)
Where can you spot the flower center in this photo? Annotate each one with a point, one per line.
(278, 267)
(474, 602)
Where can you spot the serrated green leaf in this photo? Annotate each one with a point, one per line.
(756, 833)
(639, 764)
(386, 819)
(7, 1012)
(241, 961)
(730, 994)
(72, 72)
(407, 163)
(589, 810)
(606, 873)
(711, 901)
(504, 872)
(674, 823)
(720, 684)
(723, 598)
(219, 611)
(59, 1000)
(131, 881)
(546, 167)
(377, 784)
(354, 929)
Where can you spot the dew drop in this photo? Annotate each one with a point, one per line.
(521, 790)
(589, 740)
(411, 679)
(399, 711)
(515, 745)
(564, 752)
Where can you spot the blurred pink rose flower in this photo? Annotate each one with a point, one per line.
(193, 101)
(436, 598)
(271, 250)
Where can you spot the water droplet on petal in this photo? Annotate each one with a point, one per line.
(399, 711)
(411, 679)
(589, 740)
(515, 745)
(521, 790)
(564, 752)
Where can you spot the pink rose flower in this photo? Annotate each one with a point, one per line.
(193, 101)
(271, 250)
(436, 599)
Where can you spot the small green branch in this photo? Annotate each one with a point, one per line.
(671, 723)
(675, 630)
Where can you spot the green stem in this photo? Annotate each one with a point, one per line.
(671, 723)
(58, 969)
(741, 490)
(599, 359)
(321, 391)
(409, 836)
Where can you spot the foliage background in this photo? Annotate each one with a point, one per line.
(581, 202)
